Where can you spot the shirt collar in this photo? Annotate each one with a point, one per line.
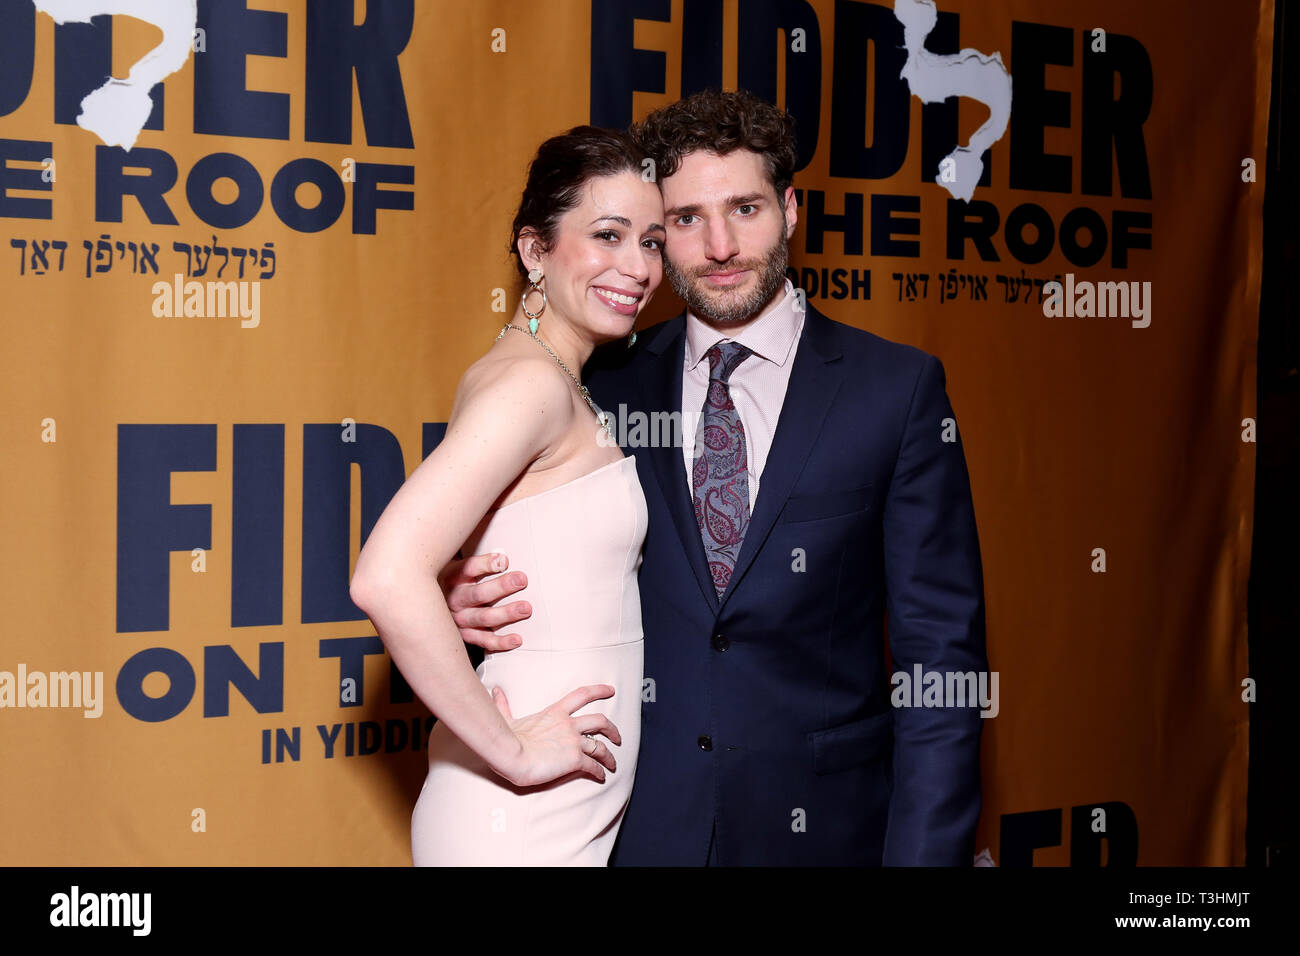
(771, 336)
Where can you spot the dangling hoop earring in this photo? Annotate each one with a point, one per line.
(534, 277)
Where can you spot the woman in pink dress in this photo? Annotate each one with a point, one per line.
(527, 468)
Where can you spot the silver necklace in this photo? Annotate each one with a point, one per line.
(602, 417)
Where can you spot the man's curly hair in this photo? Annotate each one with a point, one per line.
(720, 122)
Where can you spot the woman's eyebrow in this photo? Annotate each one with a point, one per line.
(624, 221)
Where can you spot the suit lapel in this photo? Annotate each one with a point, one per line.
(814, 381)
(661, 380)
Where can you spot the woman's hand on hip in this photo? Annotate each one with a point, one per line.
(554, 743)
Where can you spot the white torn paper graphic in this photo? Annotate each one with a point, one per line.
(933, 78)
(117, 111)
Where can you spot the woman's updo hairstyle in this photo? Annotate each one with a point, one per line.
(556, 177)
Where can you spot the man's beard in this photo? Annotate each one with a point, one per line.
(725, 307)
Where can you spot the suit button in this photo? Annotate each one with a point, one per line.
(706, 743)
(720, 642)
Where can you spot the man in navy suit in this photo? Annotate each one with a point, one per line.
(817, 495)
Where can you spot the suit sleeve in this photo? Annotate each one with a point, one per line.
(935, 598)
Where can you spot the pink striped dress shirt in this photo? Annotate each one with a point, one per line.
(758, 384)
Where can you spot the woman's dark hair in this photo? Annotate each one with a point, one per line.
(720, 122)
(562, 167)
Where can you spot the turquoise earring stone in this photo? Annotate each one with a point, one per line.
(631, 339)
(532, 326)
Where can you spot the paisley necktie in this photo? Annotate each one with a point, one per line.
(720, 475)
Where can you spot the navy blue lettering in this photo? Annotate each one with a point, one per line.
(223, 105)
(336, 47)
(14, 177)
(284, 195)
(149, 526)
(368, 198)
(112, 183)
(619, 69)
(257, 526)
(248, 198)
(222, 669)
(154, 660)
(326, 510)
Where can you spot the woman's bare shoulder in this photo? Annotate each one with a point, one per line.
(523, 389)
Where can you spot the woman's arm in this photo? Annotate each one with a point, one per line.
(510, 415)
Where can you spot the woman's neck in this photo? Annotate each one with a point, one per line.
(572, 348)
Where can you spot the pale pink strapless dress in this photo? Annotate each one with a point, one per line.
(580, 545)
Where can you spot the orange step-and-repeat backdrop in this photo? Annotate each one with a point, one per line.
(227, 345)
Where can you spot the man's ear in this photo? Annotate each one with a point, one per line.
(529, 245)
(791, 209)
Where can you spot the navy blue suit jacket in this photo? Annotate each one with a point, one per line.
(771, 713)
